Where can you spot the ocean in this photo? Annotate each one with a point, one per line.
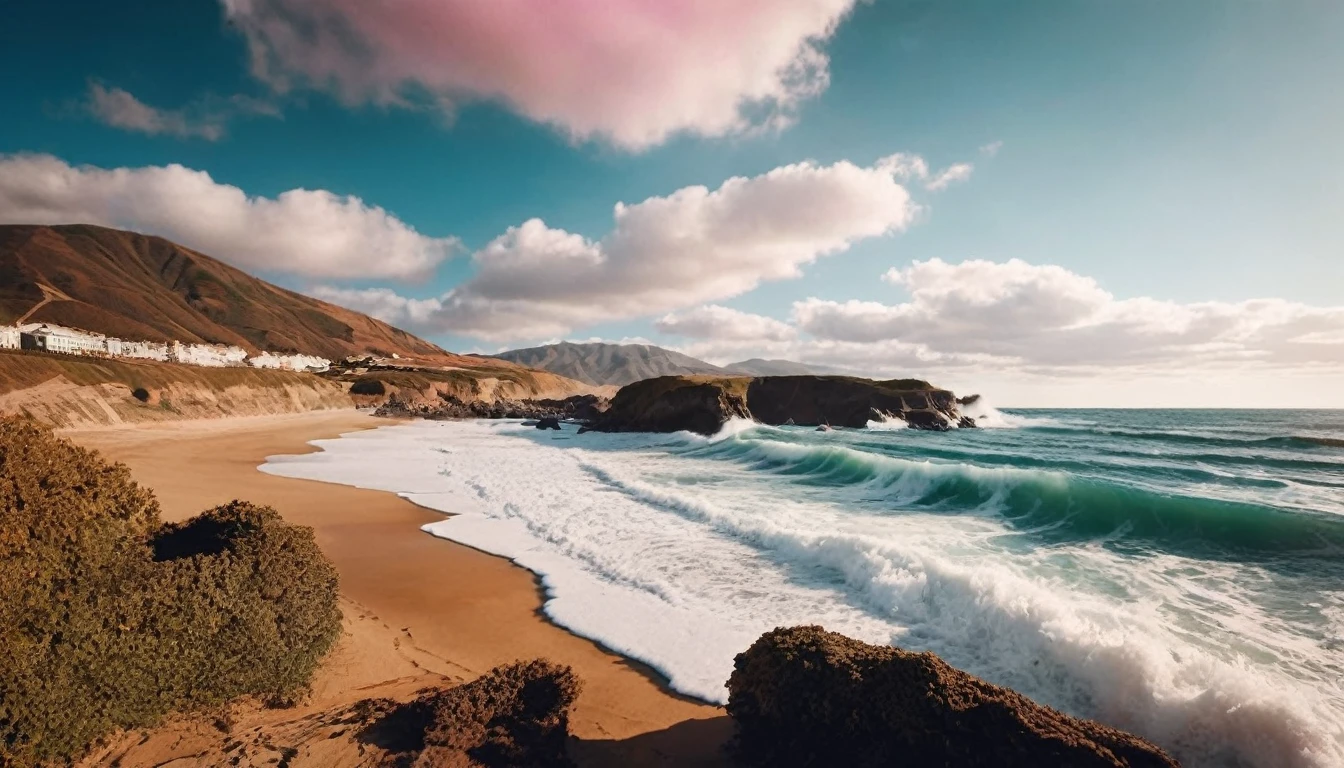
(1176, 573)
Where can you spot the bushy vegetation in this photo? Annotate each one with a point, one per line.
(110, 619)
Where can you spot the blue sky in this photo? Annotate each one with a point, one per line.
(1184, 154)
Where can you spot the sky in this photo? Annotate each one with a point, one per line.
(1128, 203)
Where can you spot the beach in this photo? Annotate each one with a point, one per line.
(419, 610)
(1099, 562)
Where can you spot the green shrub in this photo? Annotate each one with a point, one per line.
(108, 619)
(73, 540)
(248, 601)
(368, 387)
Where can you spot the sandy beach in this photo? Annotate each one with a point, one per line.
(418, 610)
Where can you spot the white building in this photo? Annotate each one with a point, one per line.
(208, 355)
(68, 341)
(54, 338)
(290, 362)
(145, 350)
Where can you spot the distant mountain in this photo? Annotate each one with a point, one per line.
(601, 364)
(621, 364)
(148, 288)
(759, 367)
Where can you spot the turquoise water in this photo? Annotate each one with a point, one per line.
(1179, 574)
(1242, 485)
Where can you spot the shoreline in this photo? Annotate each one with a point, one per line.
(460, 609)
(645, 669)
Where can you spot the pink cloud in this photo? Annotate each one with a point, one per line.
(632, 72)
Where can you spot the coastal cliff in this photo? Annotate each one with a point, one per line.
(704, 403)
(67, 391)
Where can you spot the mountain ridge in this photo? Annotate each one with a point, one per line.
(143, 287)
(603, 364)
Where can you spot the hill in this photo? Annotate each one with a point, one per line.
(148, 288)
(603, 364)
(621, 364)
(759, 367)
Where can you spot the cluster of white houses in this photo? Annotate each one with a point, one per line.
(46, 337)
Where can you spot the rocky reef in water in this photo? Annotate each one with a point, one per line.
(583, 408)
(807, 697)
(704, 403)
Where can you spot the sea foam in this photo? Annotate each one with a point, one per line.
(679, 551)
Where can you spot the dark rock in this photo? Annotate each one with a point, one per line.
(968, 400)
(672, 403)
(807, 697)
(548, 422)
(927, 419)
(703, 403)
(915, 402)
(579, 407)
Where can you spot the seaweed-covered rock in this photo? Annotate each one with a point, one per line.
(513, 715)
(807, 697)
(110, 620)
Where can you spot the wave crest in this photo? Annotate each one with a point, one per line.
(1053, 505)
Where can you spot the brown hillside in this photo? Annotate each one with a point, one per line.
(141, 287)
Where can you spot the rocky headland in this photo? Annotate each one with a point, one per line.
(704, 403)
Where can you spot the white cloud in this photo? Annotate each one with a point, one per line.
(383, 303)
(949, 176)
(630, 71)
(304, 232)
(1047, 316)
(204, 119)
(694, 246)
(1044, 335)
(991, 149)
(907, 167)
(724, 324)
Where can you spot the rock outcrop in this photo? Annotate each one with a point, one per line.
(446, 407)
(513, 715)
(807, 697)
(703, 403)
